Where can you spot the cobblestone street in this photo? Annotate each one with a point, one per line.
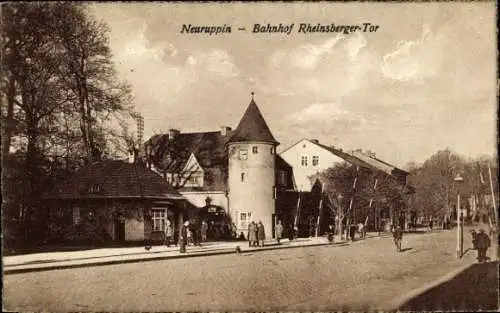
(367, 274)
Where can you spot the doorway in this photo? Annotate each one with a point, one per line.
(119, 229)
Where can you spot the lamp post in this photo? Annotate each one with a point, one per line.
(460, 234)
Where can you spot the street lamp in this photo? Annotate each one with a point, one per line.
(460, 232)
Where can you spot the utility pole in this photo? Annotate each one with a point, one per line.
(492, 199)
(320, 210)
(458, 180)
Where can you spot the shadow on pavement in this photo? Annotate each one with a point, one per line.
(406, 249)
(474, 289)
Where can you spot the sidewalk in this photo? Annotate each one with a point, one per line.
(107, 256)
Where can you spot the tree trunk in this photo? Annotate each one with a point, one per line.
(7, 128)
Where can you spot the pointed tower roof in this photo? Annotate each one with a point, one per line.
(252, 127)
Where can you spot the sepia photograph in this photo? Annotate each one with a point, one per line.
(249, 157)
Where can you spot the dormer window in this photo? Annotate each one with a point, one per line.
(94, 189)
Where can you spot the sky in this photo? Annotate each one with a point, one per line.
(423, 82)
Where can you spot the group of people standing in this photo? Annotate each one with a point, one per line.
(257, 234)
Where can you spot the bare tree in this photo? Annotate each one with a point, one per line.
(89, 74)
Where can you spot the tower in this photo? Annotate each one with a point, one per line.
(251, 171)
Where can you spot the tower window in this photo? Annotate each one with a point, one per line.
(303, 160)
(243, 155)
(315, 160)
(255, 149)
(242, 176)
(272, 150)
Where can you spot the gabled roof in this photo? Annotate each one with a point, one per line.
(253, 127)
(192, 164)
(360, 159)
(207, 147)
(114, 179)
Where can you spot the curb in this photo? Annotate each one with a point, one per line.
(158, 258)
(400, 301)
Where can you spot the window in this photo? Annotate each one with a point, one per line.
(282, 178)
(242, 176)
(243, 155)
(245, 219)
(158, 220)
(255, 149)
(76, 215)
(94, 189)
(194, 179)
(303, 160)
(272, 150)
(315, 160)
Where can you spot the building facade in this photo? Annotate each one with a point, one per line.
(112, 201)
(309, 157)
(236, 170)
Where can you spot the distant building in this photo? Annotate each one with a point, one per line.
(309, 157)
(234, 170)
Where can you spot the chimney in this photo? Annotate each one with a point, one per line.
(315, 141)
(131, 157)
(224, 130)
(172, 133)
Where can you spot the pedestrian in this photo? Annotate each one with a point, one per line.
(397, 233)
(431, 224)
(261, 234)
(252, 234)
(183, 237)
(189, 233)
(169, 233)
(483, 243)
(352, 232)
(204, 230)
(361, 230)
(330, 233)
(278, 231)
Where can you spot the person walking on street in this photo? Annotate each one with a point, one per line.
(261, 234)
(278, 231)
(252, 234)
(397, 233)
(431, 224)
(361, 230)
(169, 233)
(204, 230)
(483, 242)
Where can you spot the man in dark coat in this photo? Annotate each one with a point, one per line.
(261, 234)
(483, 243)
